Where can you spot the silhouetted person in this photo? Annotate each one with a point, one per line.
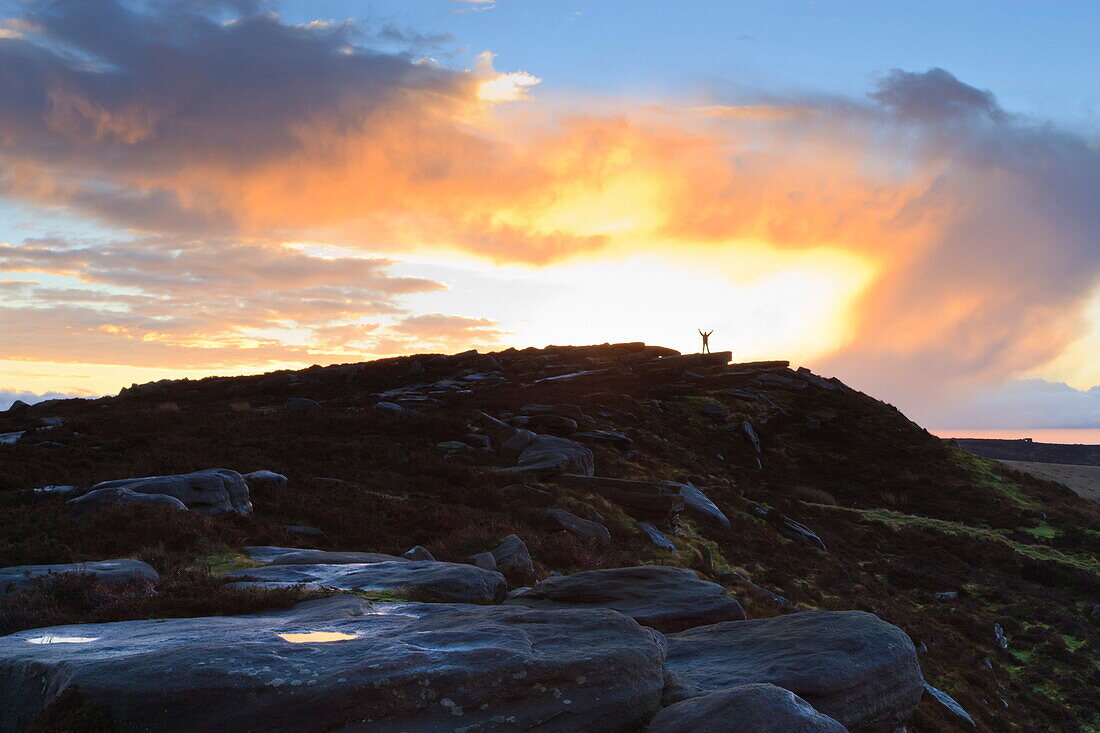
(706, 340)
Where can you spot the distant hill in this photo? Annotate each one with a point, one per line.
(1028, 450)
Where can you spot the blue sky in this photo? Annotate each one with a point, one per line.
(1039, 58)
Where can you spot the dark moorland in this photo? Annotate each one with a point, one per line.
(946, 545)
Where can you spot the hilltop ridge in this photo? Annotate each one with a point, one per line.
(815, 496)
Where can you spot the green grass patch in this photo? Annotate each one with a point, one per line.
(1072, 642)
(1043, 531)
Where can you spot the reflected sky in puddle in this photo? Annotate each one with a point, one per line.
(316, 636)
(62, 639)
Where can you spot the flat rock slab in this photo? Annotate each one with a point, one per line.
(665, 598)
(445, 581)
(212, 491)
(270, 555)
(850, 665)
(757, 708)
(105, 571)
(345, 663)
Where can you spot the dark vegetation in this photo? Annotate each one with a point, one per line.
(1029, 450)
(905, 515)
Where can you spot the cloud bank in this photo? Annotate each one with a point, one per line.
(217, 134)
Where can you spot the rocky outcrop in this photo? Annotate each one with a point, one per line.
(98, 499)
(754, 708)
(213, 491)
(443, 581)
(849, 665)
(345, 663)
(665, 598)
(104, 571)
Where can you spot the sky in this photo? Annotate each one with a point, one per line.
(902, 194)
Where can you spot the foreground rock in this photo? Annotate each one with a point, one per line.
(104, 571)
(443, 581)
(849, 665)
(213, 491)
(342, 662)
(665, 598)
(270, 555)
(756, 708)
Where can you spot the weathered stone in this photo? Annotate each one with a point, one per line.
(101, 498)
(652, 501)
(301, 403)
(265, 483)
(697, 505)
(654, 536)
(446, 581)
(665, 598)
(484, 560)
(514, 560)
(388, 407)
(418, 553)
(270, 555)
(801, 533)
(104, 571)
(213, 491)
(750, 433)
(755, 708)
(343, 663)
(561, 519)
(850, 665)
(949, 702)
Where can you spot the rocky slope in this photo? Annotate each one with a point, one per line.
(570, 537)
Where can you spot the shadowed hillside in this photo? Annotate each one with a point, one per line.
(835, 501)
